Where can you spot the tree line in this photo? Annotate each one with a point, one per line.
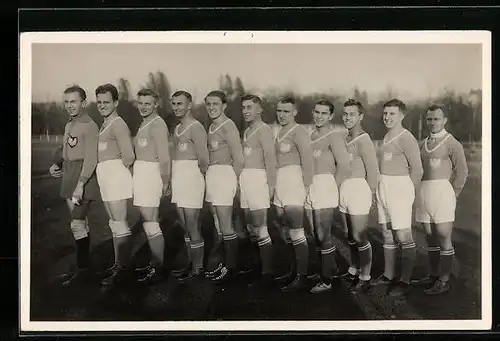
(464, 111)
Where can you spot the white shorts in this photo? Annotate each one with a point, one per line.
(290, 190)
(221, 185)
(323, 193)
(436, 202)
(254, 189)
(355, 197)
(147, 184)
(188, 184)
(115, 180)
(395, 197)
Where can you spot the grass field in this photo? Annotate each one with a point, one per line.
(52, 252)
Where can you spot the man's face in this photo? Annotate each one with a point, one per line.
(146, 105)
(105, 104)
(215, 107)
(435, 120)
(73, 104)
(392, 117)
(181, 106)
(321, 115)
(351, 116)
(286, 113)
(250, 110)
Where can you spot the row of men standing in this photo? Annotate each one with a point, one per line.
(301, 173)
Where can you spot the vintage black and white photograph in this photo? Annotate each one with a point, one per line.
(175, 181)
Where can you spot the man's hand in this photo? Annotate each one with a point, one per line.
(77, 196)
(55, 171)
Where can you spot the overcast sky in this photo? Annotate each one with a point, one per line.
(411, 70)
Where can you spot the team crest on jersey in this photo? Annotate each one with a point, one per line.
(285, 147)
(72, 141)
(183, 147)
(142, 142)
(387, 156)
(435, 162)
(247, 151)
(316, 153)
(102, 145)
(214, 144)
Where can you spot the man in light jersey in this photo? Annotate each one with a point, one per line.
(226, 163)
(75, 161)
(115, 158)
(331, 167)
(444, 160)
(258, 180)
(357, 194)
(188, 183)
(293, 179)
(151, 179)
(400, 174)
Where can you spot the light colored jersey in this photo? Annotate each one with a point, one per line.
(363, 159)
(400, 155)
(115, 141)
(330, 154)
(190, 143)
(224, 145)
(151, 144)
(259, 152)
(293, 147)
(444, 158)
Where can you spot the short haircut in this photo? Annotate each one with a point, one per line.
(287, 99)
(329, 104)
(76, 88)
(435, 107)
(148, 92)
(217, 93)
(102, 89)
(353, 103)
(395, 103)
(253, 98)
(183, 93)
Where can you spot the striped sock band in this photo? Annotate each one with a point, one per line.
(450, 252)
(329, 250)
(265, 241)
(390, 246)
(410, 245)
(433, 249)
(364, 247)
(299, 241)
(228, 237)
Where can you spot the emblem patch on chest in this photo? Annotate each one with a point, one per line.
(214, 144)
(142, 142)
(247, 151)
(285, 147)
(316, 153)
(182, 146)
(387, 156)
(72, 141)
(435, 162)
(102, 145)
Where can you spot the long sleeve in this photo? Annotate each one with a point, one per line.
(459, 164)
(410, 148)
(306, 156)
(57, 157)
(124, 141)
(339, 150)
(369, 157)
(235, 148)
(199, 138)
(159, 134)
(90, 158)
(269, 151)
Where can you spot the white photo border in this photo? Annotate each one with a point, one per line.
(249, 37)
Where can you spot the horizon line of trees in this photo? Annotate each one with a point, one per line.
(464, 112)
